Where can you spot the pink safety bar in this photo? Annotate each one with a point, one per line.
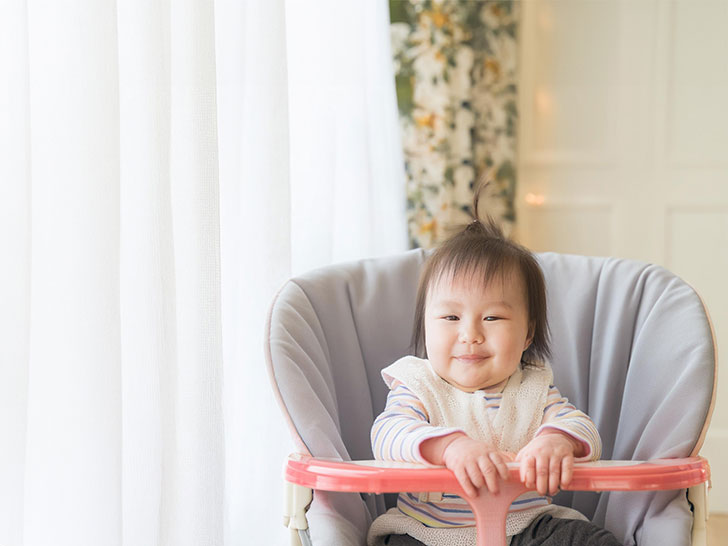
(490, 510)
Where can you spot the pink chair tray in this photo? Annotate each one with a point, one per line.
(393, 477)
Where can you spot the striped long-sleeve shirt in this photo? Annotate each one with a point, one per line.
(403, 426)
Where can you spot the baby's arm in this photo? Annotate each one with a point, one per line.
(560, 415)
(565, 434)
(399, 431)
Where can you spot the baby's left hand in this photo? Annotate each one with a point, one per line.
(548, 461)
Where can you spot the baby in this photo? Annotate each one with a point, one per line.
(483, 396)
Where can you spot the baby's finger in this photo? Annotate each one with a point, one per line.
(464, 482)
(489, 472)
(567, 470)
(523, 470)
(500, 465)
(528, 471)
(475, 474)
(542, 474)
(554, 475)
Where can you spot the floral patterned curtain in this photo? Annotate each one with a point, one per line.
(455, 65)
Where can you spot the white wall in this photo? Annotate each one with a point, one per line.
(623, 146)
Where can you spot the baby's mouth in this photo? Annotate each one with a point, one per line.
(471, 357)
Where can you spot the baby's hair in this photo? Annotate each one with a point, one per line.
(481, 251)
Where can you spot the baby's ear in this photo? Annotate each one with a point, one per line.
(531, 333)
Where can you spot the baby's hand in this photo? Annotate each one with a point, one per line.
(548, 461)
(475, 464)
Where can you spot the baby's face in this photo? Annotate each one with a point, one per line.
(475, 335)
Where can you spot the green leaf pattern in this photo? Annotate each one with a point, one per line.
(455, 64)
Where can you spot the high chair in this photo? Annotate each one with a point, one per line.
(632, 346)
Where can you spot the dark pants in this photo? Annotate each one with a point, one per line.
(544, 530)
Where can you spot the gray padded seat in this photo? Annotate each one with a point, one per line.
(631, 343)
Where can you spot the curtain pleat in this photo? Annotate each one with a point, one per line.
(15, 218)
(147, 270)
(73, 443)
(255, 211)
(173, 438)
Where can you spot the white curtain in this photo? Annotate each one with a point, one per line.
(164, 167)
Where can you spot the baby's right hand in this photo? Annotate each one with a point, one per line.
(475, 464)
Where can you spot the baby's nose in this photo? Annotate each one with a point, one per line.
(472, 333)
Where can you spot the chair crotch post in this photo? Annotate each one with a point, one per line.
(490, 512)
(297, 501)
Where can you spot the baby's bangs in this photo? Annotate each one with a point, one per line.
(482, 264)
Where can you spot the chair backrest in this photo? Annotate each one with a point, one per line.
(632, 346)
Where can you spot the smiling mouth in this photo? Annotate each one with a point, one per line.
(471, 358)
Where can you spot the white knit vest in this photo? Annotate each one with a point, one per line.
(517, 420)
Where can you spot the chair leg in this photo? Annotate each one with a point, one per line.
(298, 499)
(304, 537)
(698, 497)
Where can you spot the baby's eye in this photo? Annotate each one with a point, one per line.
(451, 317)
(491, 318)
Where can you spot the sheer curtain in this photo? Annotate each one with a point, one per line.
(164, 167)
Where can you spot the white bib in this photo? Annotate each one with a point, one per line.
(516, 422)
